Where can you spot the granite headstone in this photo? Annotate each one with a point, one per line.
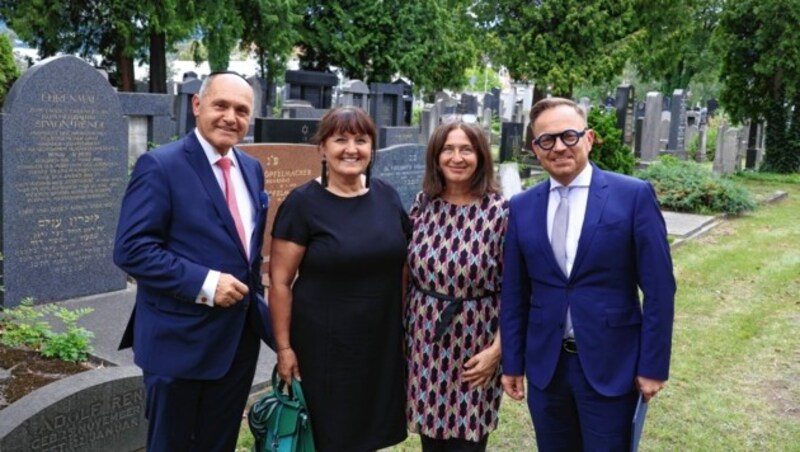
(402, 167)
(511, 137)
(311, 86)
(386, 104)
(185, 114)
(64, 169)
(355, 93)
(625, 103)
(280, 130)
(286, 166)
(98, 410)
(677, 129)
(391, 136)
(650, 130)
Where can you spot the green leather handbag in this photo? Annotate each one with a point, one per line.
(279, 420)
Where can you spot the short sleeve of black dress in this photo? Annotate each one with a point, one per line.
(291, 222)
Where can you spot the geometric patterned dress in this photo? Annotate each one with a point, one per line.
(455, 270)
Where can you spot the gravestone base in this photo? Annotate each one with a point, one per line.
(98, 410)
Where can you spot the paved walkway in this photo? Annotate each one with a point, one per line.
(111, 310)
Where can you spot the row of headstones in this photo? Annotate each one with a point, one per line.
(65, 162)
(664, 125)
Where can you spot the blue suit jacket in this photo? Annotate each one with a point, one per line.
(623, 248)
(174, 226)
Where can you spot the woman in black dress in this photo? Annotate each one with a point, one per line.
(338, 326)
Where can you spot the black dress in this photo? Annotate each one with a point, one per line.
(346, 312)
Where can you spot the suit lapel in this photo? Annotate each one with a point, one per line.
(197, 158)
(598, 195)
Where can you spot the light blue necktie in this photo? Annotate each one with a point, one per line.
(558, 240)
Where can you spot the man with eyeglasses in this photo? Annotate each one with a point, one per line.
(578, 250)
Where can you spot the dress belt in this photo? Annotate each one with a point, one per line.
(453, 304)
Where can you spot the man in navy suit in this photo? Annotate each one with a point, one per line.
(190, 233)
(571, 316)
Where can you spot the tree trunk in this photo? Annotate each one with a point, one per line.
(775, 141)
(125, 72)
(158, 62)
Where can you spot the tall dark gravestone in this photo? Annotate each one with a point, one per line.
(511, 140)
(314, 87)
(280, 130)
(185, 113)
(355, 93)
(386, 104)
(408, 100)
(64, 169)
(677, 128)
(711, 107)
(468, 105)
(402, 167)
(625, 104)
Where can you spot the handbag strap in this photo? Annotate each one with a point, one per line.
(295, 397)
(297, 392)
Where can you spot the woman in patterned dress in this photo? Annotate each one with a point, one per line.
(452, 303)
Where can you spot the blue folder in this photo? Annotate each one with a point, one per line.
(638, 423)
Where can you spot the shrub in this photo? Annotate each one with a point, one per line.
(711, 141)
(74, 343)
(22, 326)
(688, 187)
(608, 151)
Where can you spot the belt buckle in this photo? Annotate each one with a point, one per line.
(569, 345)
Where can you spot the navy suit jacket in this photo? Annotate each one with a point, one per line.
(622, 248)
(174, 227)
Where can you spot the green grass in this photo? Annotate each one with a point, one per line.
(735, 376)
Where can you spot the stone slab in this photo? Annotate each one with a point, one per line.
(282, 130)
(285, 166)
(402, 167)
(685, 224)
(109, 319)
(64, 170)
(98, 410)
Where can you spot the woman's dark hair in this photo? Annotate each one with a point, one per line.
(483, 182)
(345, 119)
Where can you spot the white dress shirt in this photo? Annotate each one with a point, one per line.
(243, 201)
(578, 196)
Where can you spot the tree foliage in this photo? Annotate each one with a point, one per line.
(9, 72)
(270, 30)
(760, 50)
(673, 43)
(561, 44)
(608, 151)
(122, 30)
(429, 42)
(118, 30)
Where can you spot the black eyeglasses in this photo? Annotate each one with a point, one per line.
(569, 137)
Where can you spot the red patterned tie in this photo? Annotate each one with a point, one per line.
(230, 197)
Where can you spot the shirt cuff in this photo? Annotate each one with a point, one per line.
(206, 295)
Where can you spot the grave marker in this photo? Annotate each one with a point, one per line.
(64, 169)
(402, 167)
